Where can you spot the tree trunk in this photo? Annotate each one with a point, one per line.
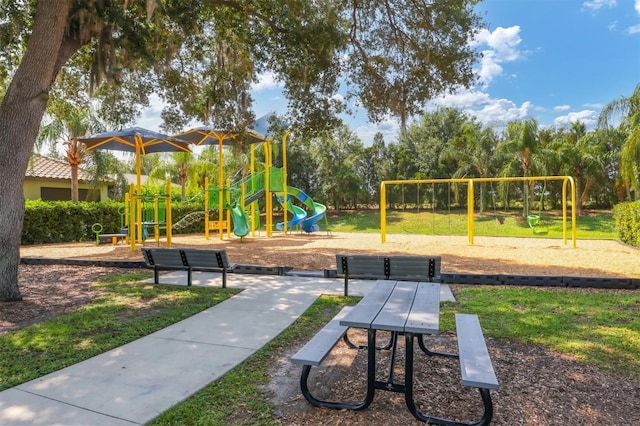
(21, 113)
(74, 183)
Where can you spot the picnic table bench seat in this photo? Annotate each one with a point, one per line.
(187, 260)
(476, 368)
(317, 349)
(475, 363)
(388, 267)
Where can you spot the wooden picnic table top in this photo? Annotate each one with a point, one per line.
(400, 306)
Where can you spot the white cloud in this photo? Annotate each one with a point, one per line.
(562, 108)
(595, 5)
(390, 129)
(594, 106)
(266, 81)
(489, 111)
(504, 41)
(504, 47)
(637, 6)
(635, 29)
(588, 117)
(150, 118)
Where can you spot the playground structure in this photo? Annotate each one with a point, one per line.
(240, 211)
(237, 203)
(534, 220)
(148, 212)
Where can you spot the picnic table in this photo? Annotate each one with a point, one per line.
(412, 310)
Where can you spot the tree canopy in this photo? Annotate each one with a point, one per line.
(202, 55)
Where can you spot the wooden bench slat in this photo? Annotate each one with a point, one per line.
(475, 364)
(429, 301)
(400, 301)
(187, 259)
(316, 350)
(388, 267)
(373, 301)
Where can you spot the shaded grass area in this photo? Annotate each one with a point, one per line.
(596, 225)
(124, 311)
(599, 328)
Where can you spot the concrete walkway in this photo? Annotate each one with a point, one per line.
(133, 384)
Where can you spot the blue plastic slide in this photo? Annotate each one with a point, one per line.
(309, 222)
(299, 214)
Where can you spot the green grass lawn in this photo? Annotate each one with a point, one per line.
(596, 225)
(125, 311)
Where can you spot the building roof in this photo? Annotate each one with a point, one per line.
(41, 167)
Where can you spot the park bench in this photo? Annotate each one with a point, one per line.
(113, 237)
(388, 267)
(475, 364)
(317, 349)
(187, 260)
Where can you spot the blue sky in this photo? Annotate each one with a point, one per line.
(556, 60)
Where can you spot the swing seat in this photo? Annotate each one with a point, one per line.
(537, 227)
(533, 220)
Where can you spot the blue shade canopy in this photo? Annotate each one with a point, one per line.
(138, 140)
(135, 139)
(209, 136)
(262, 126)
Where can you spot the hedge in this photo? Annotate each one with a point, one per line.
(65, 221)
(626, 217)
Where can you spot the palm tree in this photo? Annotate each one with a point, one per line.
(580, 154)
(628, 110)
(474, 153)
(77, 123)
(518, 151)
(179, 169)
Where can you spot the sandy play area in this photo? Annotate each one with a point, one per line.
(301, 251)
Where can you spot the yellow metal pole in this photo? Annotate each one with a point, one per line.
(268, 201)
(383, 212)
(574, 214)
(228, 201)
(168, 214)
(206, 208)
(253, 189)
(132, 218)
(220, 187)
(284, 178)
(470, 210)
(138, 142)
(156, 219)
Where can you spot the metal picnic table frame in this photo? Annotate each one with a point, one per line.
(404, 308)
